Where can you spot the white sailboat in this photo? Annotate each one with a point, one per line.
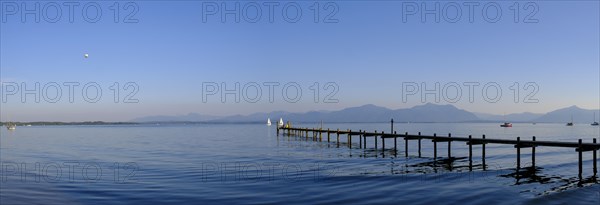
(269, 122)
(280, 123)
(11, 126)
(570, 123)
(595, 122)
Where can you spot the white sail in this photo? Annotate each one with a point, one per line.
(269, 122)
(280, 122)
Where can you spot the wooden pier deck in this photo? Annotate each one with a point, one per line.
(518, 143)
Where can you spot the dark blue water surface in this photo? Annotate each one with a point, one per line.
(250, 164)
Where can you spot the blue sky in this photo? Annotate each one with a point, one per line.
(369, 53)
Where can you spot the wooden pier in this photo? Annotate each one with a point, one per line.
(579, 146)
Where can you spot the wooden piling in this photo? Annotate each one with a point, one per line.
(395, 144)
(364, 140)
(321, 134)
(375, 141)
(406, 144)
(382, 142)
(349, 139)
(360, 139)
(449, 146)
(434, 146)
(595, 160)
(470, 154)
(533, 154)
(580, 150)
(518, 154)
(483, 153)
(328, 133)
(419, 144)
(338, 137)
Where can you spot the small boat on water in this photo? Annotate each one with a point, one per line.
(506, 124)
(570, 123)
(595, 122)
(280, 123)
(269, 122)
(11, 126)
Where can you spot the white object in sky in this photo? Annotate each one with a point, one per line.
(86, 55)
(280, 122)
(269, 122)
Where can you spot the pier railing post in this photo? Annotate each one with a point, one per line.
(392, 124)
(405, 144)
(360, 139)
(395, 144)
(533, 154)
(419, 144)
(483, 152)
(518, 153)
(470, 153)
(434, 147)
(338, 137)
(321, 134)
(364, 140)
(595, 159)
(449, 146)
(580, 150)
(328, 135)
(375, 140)
(382, 142)
(350, 139)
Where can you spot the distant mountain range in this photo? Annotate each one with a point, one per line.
(371, 113)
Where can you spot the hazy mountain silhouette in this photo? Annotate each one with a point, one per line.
(371, 113)
(366, 113)
(564, 115)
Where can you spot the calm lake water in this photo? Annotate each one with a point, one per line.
(250, 164)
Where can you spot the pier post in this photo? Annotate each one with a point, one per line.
(375, 141)
(419, 144)
(360, 139)
(349, 139)
(382, 142)
(395, 144)
(321, 134)
(533, 154)
(483, 153)
(392, 124)
(518, 153)
(434, 147)
(338, 137)
(278, 130)
(364, 140)
(405, 144)
(449, 146)
(580, 150)
(595, 159)
(328, 135)
(470, 153)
